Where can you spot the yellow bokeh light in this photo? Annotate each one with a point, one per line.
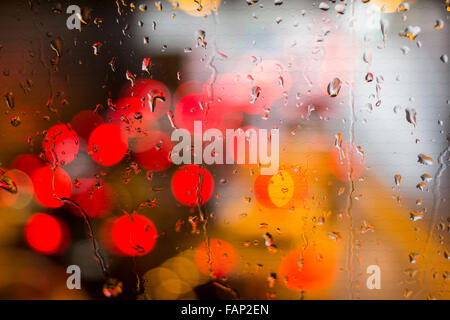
(281, 188)
(387, 6)
(196, 8)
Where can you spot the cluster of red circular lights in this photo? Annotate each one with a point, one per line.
(138, 109)
(136, 112)
(221, 105)
(45, 233)
(106, 142)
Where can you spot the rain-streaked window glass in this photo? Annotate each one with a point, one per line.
(221, 149)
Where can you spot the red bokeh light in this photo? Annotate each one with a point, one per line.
(95, 197)
(133, 235)
(60, 144)
(142, 89)
(84, 123)
(212, 114)
(107, 144)
(186, 184)
(216, 259)
(132, 116)
(27, 163)
(193, 108)
(47, 234)
(152, 151)
(50, 185)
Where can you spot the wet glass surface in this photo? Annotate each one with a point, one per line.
(338, 190)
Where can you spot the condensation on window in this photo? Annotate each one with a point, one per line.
(224, 149)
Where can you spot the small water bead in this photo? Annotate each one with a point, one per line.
(6, 183)
(439, 24)
(324, 6)
(421, 185)
(413, 257)
(426, 177)
(410, 32)
(334, 87)
(398, 179)
(340, 8)
(424, 159)
(9, 99)
(112, 288)
(96, 46)
(411, 116)
(403, 7)
(369, 77)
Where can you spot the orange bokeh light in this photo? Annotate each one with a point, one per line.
(216, 259)
(347, 163)
(281, 190)
(313, 268)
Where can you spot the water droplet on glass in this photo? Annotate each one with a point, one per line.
(421, 185)
(96, 46)
(256, 91)
(439, 24)
(340, 8)
(410, 32)
(324, 6)
(6, 183)
(15, 121)
(405, 50)
(424, 159)
(147, 65)
(413, 257)
(158, 5)
(403, 7)
(367, 57)
(56, 46)
(334, 87)
(9, 98)
(411, 116)
(398, 179)
(112, 288)
(426, 177)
